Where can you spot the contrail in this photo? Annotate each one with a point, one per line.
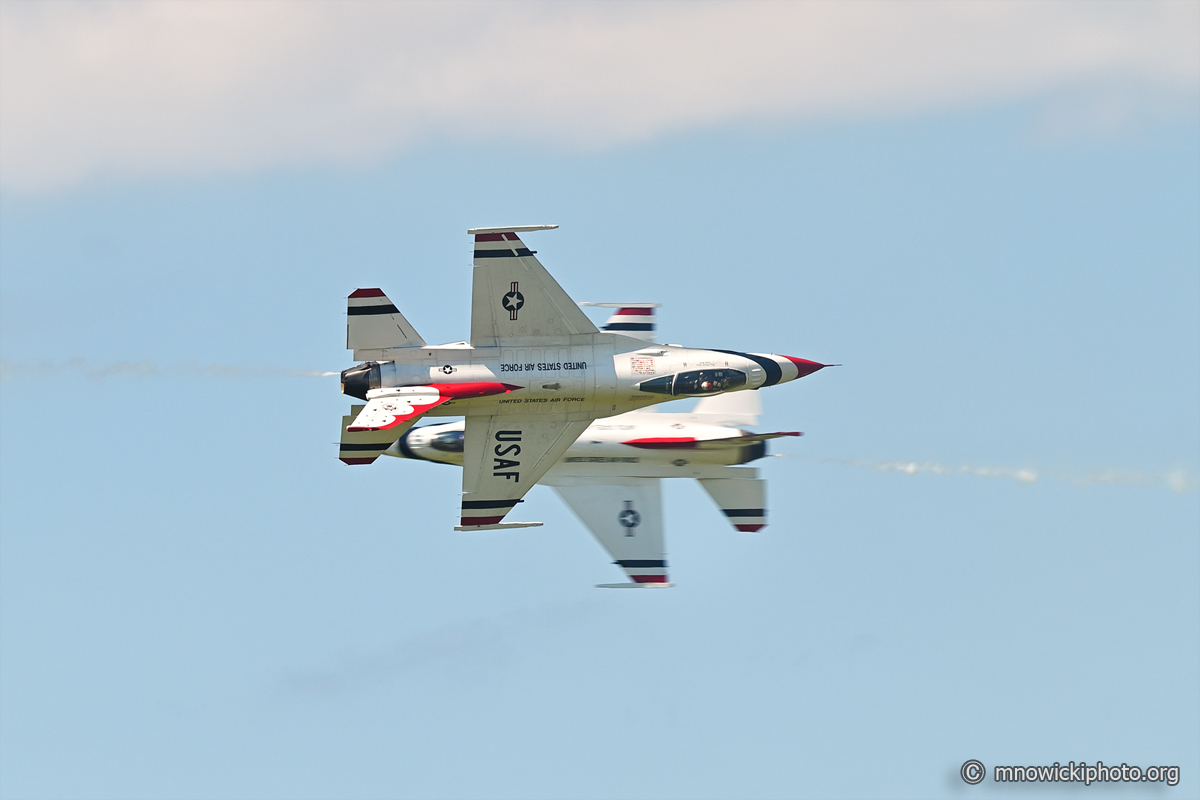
(145, 369)
(1178, 480)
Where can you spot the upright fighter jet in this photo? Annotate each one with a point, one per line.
(535, 374)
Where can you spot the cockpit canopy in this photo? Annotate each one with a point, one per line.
(695, 383)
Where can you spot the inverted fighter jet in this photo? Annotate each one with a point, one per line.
(611, 476)
(534, 375)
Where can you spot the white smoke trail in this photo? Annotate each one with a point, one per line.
(1178, 480)
(78, 367)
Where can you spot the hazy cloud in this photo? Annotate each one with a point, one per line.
(169, 88)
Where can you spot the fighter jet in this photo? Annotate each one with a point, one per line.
(611, 476)
(535, 374)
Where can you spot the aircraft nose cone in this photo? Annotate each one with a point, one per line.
(804, 366)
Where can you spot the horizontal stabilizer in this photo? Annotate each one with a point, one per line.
(634, 585)
(373, 322)
(387, 408)
(743, 501)
(499, 526)
(363, 447)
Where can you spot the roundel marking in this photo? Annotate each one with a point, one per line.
(629, 518)
(513, 301)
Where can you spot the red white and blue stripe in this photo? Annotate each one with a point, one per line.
(635, 320)
(632, 321)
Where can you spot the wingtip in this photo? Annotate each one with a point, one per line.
(497, 526)
(511, 229)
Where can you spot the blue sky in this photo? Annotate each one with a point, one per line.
(198, 600)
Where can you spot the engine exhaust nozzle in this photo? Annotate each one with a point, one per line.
(357, 381)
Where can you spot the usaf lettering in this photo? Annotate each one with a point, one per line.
(505, 449)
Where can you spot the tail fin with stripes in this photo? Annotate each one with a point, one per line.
(630, 319)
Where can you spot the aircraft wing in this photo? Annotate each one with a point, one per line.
(741, 441)
(625, 516)
(513, 295)
(504, 456)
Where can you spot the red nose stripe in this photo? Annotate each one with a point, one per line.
(804, 366)
(367, 293)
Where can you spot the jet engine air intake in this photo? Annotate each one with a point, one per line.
(357, 381)
(696, 382)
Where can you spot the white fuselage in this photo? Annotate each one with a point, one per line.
(645, 445)
(600, 376)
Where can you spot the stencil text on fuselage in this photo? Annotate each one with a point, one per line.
(546, 366)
